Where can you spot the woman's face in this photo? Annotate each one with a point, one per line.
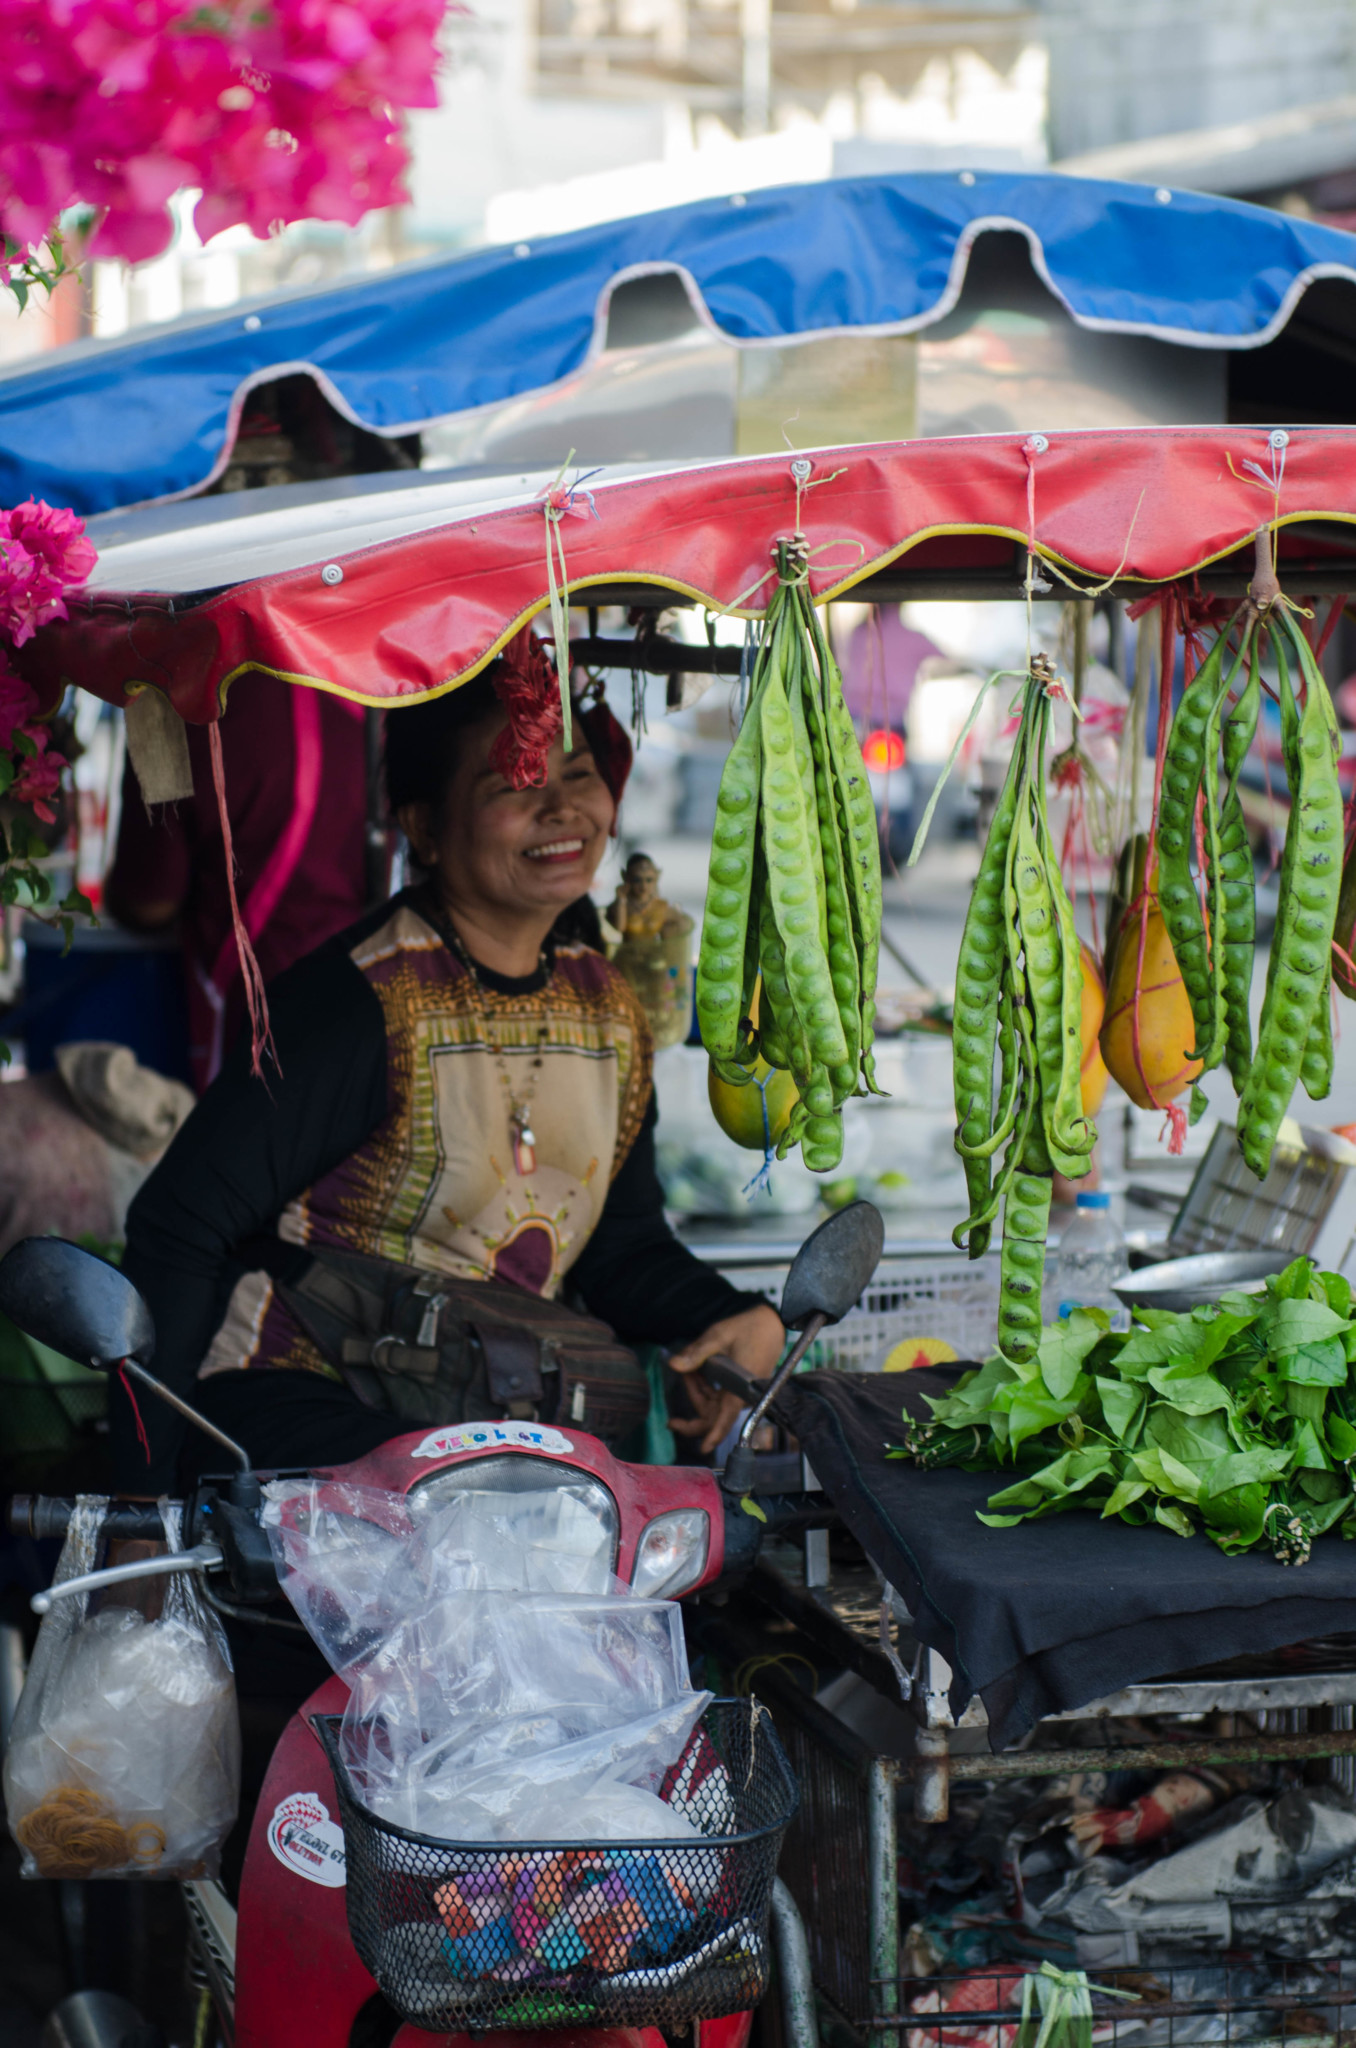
(503, 851)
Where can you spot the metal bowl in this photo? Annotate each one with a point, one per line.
(1186, 1283)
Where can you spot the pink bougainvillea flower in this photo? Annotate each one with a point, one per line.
(39, 776)
(54, 536)
(276, 113)
(29, 595)
(18, 704)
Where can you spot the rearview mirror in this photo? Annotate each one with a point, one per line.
(75, 1303)
(833, 1265)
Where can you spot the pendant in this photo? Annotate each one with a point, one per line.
(524, 1144)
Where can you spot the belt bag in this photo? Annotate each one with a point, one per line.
(429, 1349)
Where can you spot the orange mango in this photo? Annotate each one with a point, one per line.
(1167, 1031)
(1094, 1073)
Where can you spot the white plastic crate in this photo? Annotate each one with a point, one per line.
(942, 1295)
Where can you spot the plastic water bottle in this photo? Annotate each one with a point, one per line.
(1091, 1256)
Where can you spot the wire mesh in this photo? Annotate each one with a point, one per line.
(1228, 1210)
(946, 1296)
(1225, 2000)
(562, 1934)
(827, 1856)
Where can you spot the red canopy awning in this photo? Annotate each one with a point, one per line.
(414, 615)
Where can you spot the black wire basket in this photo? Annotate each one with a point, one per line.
(562, 1934)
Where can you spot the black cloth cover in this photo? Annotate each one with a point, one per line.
(1042, 1618)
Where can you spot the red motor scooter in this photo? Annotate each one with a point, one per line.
(305, 1955)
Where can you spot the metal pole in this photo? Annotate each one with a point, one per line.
(931, 1776)
(799, 2026)
(883, 1849)
(755, 21)
(1053, 1763)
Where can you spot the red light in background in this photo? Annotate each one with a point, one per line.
(883, 750)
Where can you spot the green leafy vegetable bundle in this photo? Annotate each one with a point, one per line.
(1238, 1419)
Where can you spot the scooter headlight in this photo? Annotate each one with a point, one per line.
(671, 1554)
(565, 1521)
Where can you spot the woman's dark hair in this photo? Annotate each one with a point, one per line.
(422, 744)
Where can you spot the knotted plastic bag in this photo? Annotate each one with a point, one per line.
(124, 1759)
(502, 1688)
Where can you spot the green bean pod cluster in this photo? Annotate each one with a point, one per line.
(1019, 994)
(1211, 914)
(793, 903)
(1294, 1036)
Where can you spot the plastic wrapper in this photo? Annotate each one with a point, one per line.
(124, 1759)
(502, 1686)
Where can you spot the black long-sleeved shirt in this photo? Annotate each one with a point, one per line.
(339, 1144)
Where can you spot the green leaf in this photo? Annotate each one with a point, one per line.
(1129, 1490)
(1293, 1283)
(1306, 1450)
(1341, 1437)
(1143, 1349)
(1338, 1292)
(1024, 1493)
(999, 1521)
(1235, 1519)
(751, 1507)
(1165, 1473)
(1307, 1402)
(1198, 1393)
(1323, 1364)
(1296, 1323)
(6, 772)
(1063, 1348)
(1030, 1413)
(1196, 1440)
(1243, 1468)
(1246, 1307)
(1122, 1406)
(1330, 1513)
(1323, 1486)
(1173, 1518)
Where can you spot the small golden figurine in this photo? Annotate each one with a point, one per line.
(638, 911)
(655, 949)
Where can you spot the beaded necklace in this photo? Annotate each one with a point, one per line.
(522, 1137)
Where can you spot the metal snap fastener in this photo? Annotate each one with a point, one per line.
(252, 323)
(331, 573)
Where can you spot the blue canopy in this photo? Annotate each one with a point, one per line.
(108, 424)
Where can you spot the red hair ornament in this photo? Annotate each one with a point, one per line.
(526, 686)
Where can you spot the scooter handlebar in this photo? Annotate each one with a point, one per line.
(45, 1515)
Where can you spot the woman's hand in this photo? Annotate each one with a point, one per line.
(754, 1339)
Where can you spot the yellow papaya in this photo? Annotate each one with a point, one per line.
(739, 1111)
(1094, 1074)
(1167, 1030)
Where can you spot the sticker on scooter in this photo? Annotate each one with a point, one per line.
(302, 1836)
(493, 1436)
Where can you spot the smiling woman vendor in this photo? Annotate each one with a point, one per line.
(457, 1123)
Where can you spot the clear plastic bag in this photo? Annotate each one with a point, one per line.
(497, 1691)
(124, 1759)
